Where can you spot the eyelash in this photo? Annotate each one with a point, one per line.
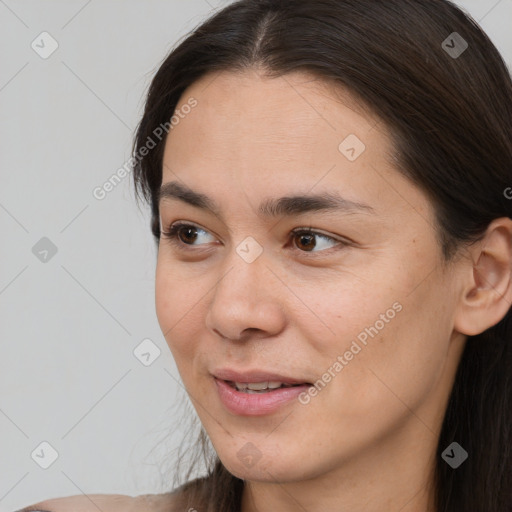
(172, 236)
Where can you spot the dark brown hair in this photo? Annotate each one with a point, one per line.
(450, 119)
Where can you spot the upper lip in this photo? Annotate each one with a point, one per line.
(254, 376)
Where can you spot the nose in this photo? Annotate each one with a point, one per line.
(246, 302)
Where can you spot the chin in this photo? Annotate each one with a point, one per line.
(272, 468)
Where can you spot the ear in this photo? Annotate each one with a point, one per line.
(486, 294)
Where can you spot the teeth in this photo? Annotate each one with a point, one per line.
(254, 386)
(257, 386)
(260, 386)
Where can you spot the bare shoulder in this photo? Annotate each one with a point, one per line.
(107, 503)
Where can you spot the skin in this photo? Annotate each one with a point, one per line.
(108, 503)
(367, 441)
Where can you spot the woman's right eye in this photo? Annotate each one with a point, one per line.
(183, 235)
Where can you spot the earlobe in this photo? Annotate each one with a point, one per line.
(487, 293)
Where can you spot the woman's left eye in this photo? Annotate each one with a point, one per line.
(307, 235)
(183, 235)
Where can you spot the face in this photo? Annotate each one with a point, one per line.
(352, 300)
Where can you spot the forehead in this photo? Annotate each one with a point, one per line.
(250, 136)
(289, 119)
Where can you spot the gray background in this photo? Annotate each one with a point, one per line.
(69, 325)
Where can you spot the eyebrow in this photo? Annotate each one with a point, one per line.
(273, 207)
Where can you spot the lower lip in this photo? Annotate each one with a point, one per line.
(256, 404)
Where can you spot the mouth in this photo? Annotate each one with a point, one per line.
(257, 380)
(257, 393)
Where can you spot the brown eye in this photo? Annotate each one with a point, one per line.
(184, 236)
(307, 240)
(187, 234)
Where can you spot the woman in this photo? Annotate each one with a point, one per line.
(330, 191)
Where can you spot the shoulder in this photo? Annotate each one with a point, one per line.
(107, 503)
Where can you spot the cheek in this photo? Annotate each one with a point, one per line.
(177, 308)
(392, 337)
(400, 359)
(177, 291)
(348, 308)
(165, 299)
(181, 297)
